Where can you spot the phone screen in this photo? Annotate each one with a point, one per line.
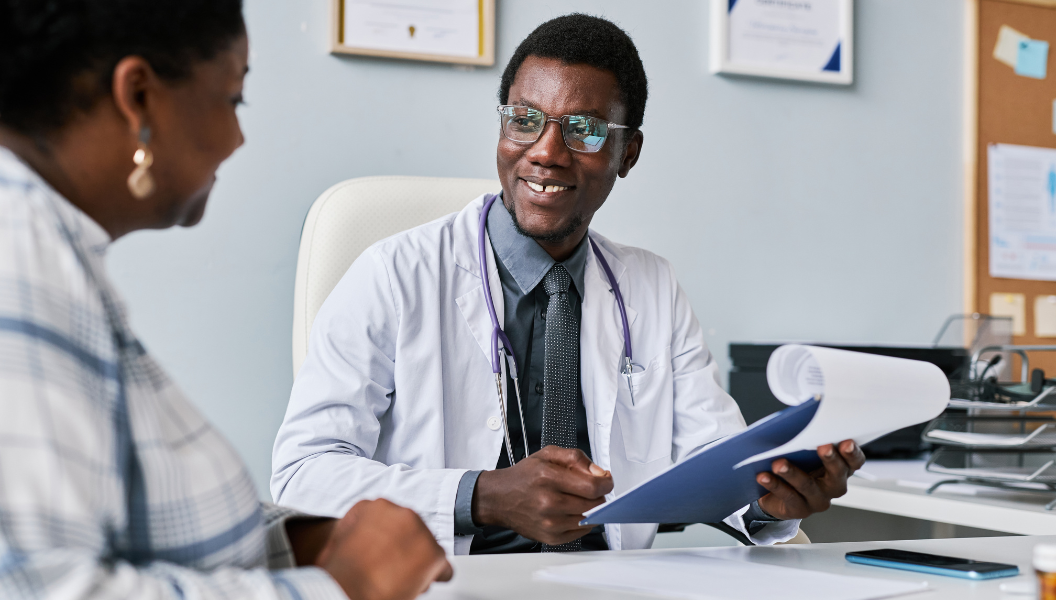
(932, 560)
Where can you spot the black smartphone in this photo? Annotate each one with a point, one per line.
(933, 563)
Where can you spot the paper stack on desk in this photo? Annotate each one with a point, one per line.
(834, 395)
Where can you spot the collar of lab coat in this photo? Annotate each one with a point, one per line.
(601, 329)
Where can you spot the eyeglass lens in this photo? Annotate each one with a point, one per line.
(581, 133)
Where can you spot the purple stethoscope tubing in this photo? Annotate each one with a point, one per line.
(497, 333)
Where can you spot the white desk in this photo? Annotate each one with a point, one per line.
(509, 577)
(973, 506)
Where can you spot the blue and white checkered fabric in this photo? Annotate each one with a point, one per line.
(112, 485)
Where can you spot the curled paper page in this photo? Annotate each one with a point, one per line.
(863, 396)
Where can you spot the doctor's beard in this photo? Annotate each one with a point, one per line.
(551, 237)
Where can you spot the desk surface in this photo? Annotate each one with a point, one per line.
(509, 577)
(899, 489)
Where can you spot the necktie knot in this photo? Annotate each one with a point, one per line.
(557, 280)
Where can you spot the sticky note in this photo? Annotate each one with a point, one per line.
(1010, 305)
(1032, 59)
(1007, 48)
(1045, 316)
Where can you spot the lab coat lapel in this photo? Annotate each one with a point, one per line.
(472, 304)
(601, 347)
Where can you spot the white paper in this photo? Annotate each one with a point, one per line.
(705, 578)
(863, 396)
(1022, 186)
(1007, 48)
(447, 27)
(793, 34)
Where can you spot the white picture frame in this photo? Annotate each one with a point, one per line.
(351, 33)
(804, 40)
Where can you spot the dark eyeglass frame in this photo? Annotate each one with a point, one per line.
(563, 121)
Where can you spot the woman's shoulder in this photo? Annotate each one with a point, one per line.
(44, 283)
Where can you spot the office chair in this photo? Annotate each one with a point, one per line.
(350, 216)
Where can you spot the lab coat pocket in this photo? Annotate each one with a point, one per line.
(647, 423)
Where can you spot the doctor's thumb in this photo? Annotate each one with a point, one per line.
(597, 471)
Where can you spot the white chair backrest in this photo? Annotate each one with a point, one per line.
(350, 216)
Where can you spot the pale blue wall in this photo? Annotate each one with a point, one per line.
(790, 211)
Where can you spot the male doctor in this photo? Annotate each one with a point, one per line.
(397, 398)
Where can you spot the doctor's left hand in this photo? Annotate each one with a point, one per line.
(796, 494)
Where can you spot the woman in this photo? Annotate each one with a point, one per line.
(114, 116)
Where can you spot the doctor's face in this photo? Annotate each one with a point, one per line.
(551, 190)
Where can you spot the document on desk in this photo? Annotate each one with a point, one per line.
(705, 578)
(834, 395)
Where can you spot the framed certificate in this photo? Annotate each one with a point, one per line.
(452, 31)
(808, 40)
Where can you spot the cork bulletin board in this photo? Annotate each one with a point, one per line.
(1007, 104)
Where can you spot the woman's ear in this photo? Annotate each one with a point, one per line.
(134, 83)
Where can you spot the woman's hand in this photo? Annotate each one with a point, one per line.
(378, 551)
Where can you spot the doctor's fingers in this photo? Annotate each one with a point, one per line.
(574, 482)
(571, 458)
(803, 483)
(852, 453)
(834, 471)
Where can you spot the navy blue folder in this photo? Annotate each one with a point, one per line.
(706, 488)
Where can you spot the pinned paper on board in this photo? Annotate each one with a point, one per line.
(1022, 212)
(1027, 57)
(1032, 59)
(1007, 48)
(1045, 316)
(1010, 305)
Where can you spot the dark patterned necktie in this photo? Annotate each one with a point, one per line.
(560, 373)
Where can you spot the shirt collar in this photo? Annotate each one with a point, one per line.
(89, 234)
(524, 258)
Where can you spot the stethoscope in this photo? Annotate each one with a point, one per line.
(498, 335)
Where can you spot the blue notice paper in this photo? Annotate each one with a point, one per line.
(1032, 60)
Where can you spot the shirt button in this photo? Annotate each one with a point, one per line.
(542, 315)
(539, 387)
(494, 423)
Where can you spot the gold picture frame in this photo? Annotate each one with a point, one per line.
(485, 37)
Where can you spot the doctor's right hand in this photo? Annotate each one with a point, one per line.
(381, 551)
(544, 496)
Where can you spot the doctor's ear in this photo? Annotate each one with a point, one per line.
(631, 152)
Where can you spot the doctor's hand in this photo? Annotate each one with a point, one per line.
(544, 496)
(795, 494)
(381, 551)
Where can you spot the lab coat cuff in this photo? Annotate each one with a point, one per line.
(773, 533)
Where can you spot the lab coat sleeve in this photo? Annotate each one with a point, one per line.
(323, 460)
(704, 412)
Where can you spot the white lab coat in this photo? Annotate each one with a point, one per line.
(396, 398)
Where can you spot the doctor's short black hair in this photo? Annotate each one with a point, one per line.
(584, 39)
(57, 57)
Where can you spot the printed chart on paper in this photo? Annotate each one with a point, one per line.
(1022, 185)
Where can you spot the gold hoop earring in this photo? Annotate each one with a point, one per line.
(141, 182)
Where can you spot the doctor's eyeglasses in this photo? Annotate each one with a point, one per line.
(581, 133)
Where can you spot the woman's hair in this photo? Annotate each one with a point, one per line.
(57, 57)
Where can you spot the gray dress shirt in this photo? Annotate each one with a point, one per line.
(522, 264)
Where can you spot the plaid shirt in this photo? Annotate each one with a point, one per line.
(112, 485)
